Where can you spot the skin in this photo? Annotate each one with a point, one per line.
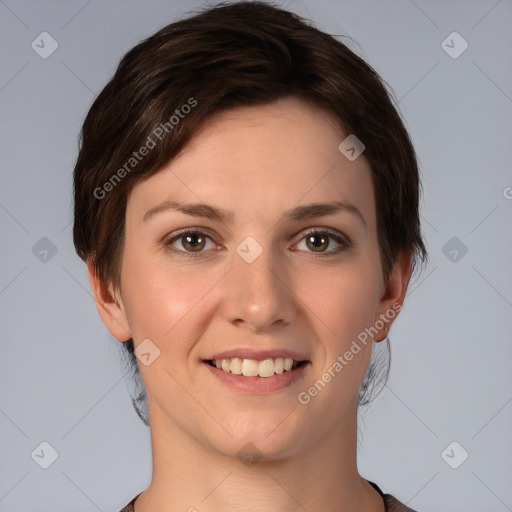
(258, 163)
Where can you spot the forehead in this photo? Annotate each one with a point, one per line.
(262, 159)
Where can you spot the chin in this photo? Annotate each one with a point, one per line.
(267, 441)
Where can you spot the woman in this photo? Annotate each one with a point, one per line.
(246, 201)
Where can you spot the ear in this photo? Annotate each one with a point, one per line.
(394, 293)
(110, 305)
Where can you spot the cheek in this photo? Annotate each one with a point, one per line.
(342, 302)
(342, 306)
(162, 300)
(344, 299)
(169, 308)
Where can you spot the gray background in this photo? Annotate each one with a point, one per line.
(61, 380)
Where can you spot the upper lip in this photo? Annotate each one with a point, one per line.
(250, 353)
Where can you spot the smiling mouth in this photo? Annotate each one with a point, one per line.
(256, 368)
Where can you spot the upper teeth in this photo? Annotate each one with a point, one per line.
(254, 368)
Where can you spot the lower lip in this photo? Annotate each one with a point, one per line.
(258, 385)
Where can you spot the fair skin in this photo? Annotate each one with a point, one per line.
(257, 163)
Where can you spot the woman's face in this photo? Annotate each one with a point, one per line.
(219, 262)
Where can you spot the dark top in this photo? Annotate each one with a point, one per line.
(391, 504)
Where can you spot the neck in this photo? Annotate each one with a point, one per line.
(189, 476)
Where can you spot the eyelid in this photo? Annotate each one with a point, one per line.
(184, 231)
(342, 239)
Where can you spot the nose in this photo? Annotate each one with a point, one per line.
(258, 295)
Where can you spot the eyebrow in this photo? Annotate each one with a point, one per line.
(299, 213)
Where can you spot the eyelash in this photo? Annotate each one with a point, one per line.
(344, 241)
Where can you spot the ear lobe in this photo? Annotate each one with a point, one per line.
(109, 305)
(394, 292)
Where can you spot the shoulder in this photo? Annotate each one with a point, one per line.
(390, 502)
(393, 505)
(130, 506)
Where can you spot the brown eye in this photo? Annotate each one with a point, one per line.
(323, 242)
(190, 243)
(194, 242)
(317, 242)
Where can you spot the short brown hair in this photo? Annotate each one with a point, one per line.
(234, 54)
